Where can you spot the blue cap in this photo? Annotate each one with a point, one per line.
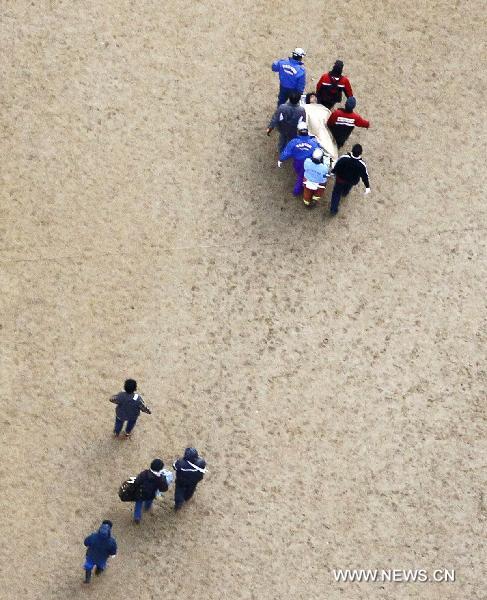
(350, 103)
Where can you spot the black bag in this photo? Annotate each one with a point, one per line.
(128, 491)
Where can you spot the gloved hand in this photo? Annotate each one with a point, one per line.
(279, 163)
(367, 191)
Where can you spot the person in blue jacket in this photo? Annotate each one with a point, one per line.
(292, 74)
(99, 547)
(299, 149)
(189, 472)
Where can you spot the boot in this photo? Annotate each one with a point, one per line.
(87, 575)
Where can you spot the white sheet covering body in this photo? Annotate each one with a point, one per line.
(316, 118)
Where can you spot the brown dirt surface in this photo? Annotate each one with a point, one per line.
(332, 372)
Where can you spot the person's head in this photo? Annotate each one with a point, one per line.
(337, 69)
(317, 156)
(298, 54)
(294, 98)
(350, 104)
(191, 454)
(156, 465)
(302, 128)
(107, 522)
(357, 151)
(105, 530)
(130, 386)
(311, 98)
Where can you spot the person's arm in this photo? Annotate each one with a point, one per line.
(143, 407)
(365, 178)
(114, 399)
(335, 166)
(287, 152)
(275, 65)
(87, 541)
(361, 122)
(348, 87)
(274, 121)
(113, 549)
(301, 82)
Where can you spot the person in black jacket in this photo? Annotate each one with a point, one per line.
(149, 484)
(129, 406)
(99, 547)
(189, 472)
(348, 170)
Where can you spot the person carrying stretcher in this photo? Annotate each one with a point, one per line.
(332, 85)
(315, 177)
(299, 149)
(342, 121)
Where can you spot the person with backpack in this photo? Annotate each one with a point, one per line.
(129, 406)
(286, 119)
(190, 470)
(332, 85)
(342, 121)
(147, 485)
(292, 75)
(99, 547)
(348, 170)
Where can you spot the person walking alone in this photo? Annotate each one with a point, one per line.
(348, 170)
(190, 470)
(129, 406)
(286, 119)
(149, 484)
(99, 547)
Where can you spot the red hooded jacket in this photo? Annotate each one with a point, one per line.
(329, 89)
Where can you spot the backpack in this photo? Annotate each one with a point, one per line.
(129, 492)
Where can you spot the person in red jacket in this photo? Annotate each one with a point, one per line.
(342, 121)
(332, 85)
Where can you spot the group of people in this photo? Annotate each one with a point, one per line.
(147, 486)
(296, 142)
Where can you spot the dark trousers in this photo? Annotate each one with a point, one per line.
(283, 96)
(341, 134)
(119, 425)
(183, 493)
(139, 505)
(341, 188)
(298, 166)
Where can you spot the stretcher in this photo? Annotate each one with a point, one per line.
(316, 118)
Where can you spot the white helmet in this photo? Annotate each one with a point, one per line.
(299, 53)
(318, 154)
(302, 126)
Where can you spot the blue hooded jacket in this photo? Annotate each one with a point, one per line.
(300, 148)
(101, 545)
(292, 74)
(189, 473)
